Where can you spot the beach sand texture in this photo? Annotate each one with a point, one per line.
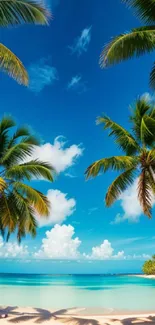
(70, 317)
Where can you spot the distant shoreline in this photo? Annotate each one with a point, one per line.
(144, 276)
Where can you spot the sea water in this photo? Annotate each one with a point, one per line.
(110, 293)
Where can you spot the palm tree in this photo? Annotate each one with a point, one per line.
(135, 43)
(19, 202)
(138, 159)
(15, 12)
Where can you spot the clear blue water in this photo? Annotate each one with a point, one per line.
(111, 293)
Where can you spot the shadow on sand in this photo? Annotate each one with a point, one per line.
(65, 316)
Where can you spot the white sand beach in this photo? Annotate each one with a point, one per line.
(144, 276)
(70, 317)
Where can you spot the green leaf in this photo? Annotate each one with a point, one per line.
(30, 170)
(144, 9)
(122, 137)
(125, 46)
(35, 198)
(119, 185)
(10, 64)
(117, 163)
(144, 193)
(14, 12)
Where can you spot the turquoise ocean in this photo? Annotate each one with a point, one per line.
(107, 293)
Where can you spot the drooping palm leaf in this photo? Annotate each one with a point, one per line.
(119, 185)
(145, 193)
(144, 9)
(30, 170)
(35, 198)
(118, 163)
(122, 137)
(13, 12)
(10, 64)
(125, 46)
(143, 121)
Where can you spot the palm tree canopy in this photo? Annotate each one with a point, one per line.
(136, 42)
(19, 202)
(15, 12)
(10, 64)
(144, 9)
(138, 159)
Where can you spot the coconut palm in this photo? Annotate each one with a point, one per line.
(19, 202)
(16, 12)
(138, 160)
(136, 42)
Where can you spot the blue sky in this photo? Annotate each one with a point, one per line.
(67, 91)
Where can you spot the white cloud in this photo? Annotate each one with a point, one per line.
(77, 84)
(41, 75)
(12, 250)
(104, 252)
(59, 244)
(81, 43)
(130, 204)
(74, 81)
(58, 154)
(61, 208)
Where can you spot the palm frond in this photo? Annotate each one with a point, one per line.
(3, 184)
(118, 163)
(10, 64)
(30, 170)
(147, 130)
(144, 9)
(20, 132)
(6, 123)
(17, 153)
(26, 222)
(119, 185)
(35, 198)
(144, 193)
(7, 216)
(15, 12)
(122, 137)
(143, 121)
(125, 46)
(152, 78)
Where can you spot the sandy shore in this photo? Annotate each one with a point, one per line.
(70, 317)
(144, 276)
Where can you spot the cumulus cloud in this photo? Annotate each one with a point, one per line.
(41, 75)
(81, 43)
(130, 205)
(59, 244)
(61, 208)
(104, 252)
(12, 250)
(58, 154)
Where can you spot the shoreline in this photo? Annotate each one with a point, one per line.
(144, 276)
(73, 316)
